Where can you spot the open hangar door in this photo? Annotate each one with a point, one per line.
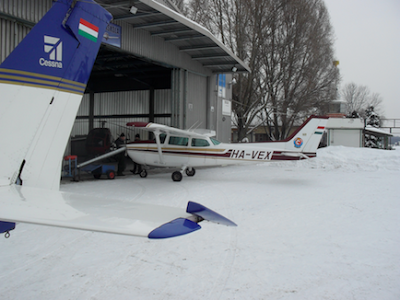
(164, 71)
(170, 58)
(122, 88)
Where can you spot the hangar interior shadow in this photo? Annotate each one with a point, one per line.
(117, 70)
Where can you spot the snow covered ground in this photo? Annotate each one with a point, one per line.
(326, 228)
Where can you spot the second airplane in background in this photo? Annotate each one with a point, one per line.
(187, 149)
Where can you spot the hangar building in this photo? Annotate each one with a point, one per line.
(154, 65)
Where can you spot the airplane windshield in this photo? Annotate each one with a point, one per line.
(215, 142)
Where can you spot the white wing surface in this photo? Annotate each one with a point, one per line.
(54, 208)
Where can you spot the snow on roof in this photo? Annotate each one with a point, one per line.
(371, 129)
(345, 123)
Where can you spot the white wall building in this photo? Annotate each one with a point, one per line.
(345, 132)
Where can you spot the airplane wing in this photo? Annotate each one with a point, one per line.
(154, 127)
(60, 209)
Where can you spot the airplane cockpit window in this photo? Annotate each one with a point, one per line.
(200, 143)
(179, 141)
(215, 142)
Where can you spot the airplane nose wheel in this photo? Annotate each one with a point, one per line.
(143, 174)
(176, 176)
(190, 172)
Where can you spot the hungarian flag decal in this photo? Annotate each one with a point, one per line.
(88, 30)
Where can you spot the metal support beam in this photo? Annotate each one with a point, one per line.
(91, 110)
(151, 105)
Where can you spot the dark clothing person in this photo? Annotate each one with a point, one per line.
(120, 142)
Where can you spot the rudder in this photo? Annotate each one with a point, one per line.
(42, 82)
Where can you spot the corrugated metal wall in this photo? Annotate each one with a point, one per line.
(11, 34)
(196, 108)
(114, 110)
(13, 31)
(31, 10)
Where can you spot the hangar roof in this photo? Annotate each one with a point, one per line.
(178, 30)
(118, 69)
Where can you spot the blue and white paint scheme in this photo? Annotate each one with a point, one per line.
(41, 84)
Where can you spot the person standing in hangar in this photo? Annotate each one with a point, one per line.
(120, 142)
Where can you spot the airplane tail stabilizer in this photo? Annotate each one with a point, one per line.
(42, 82)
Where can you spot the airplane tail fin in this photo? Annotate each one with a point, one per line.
(302, 143)
(42, 82)
(308, 136)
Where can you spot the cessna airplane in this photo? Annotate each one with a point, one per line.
(41, 84)
(187, 149)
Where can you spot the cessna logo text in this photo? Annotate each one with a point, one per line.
(53, 47)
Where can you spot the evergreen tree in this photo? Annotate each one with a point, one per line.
(371, 119)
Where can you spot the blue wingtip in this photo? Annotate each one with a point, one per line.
(207, 214)
(6, 226)
(176, 227)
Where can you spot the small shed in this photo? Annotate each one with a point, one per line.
(345, 132)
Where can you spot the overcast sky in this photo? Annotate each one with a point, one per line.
(367, 46)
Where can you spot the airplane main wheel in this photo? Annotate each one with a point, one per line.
(176, 176)
(143, 174)
(190, 172)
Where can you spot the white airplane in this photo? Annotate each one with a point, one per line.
(187, 149)
(41, 85)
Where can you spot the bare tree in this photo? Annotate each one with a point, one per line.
(288, 47)
(358, 98)
(300, 77)
(179, 4)
(239, 25)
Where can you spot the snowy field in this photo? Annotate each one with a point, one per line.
(326, 228)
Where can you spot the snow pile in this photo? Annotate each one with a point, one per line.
(351, 159)
(325, 228)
